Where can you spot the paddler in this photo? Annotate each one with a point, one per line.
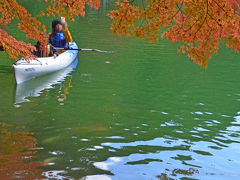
(60, 36)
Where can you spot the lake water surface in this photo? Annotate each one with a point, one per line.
(143, 112)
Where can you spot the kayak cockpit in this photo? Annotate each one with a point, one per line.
(25, 70)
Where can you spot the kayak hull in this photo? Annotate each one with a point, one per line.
(25, 71)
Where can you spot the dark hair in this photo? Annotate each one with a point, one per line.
(54, 24)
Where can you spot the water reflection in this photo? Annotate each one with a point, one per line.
(34, 87)
(17, 150)
(146, 150)
(210, 151)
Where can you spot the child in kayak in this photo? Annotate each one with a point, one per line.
(60, 36)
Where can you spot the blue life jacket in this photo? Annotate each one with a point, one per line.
(58, 40)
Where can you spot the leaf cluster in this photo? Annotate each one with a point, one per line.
(200, 25)
(31, 26)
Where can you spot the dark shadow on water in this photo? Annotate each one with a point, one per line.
(5, 69)
(34, 87)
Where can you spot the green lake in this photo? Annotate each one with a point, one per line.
(143, 112)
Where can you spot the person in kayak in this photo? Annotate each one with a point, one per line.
(60, 36)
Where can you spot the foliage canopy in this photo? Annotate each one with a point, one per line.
(200, 25)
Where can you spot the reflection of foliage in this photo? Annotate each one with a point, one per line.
(188, 172)
(16, 151)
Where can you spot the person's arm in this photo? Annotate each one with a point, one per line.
(67, 34)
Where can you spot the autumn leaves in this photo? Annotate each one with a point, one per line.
(198, 25)
(31, 26)
(10, 10)
(69, 8)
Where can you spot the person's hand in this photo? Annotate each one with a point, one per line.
(54, 56)
(63, 21)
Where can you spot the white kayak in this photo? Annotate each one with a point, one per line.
(25, 71)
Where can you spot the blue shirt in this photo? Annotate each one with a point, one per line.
(58, 40)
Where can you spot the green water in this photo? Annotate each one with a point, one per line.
(144, 112)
